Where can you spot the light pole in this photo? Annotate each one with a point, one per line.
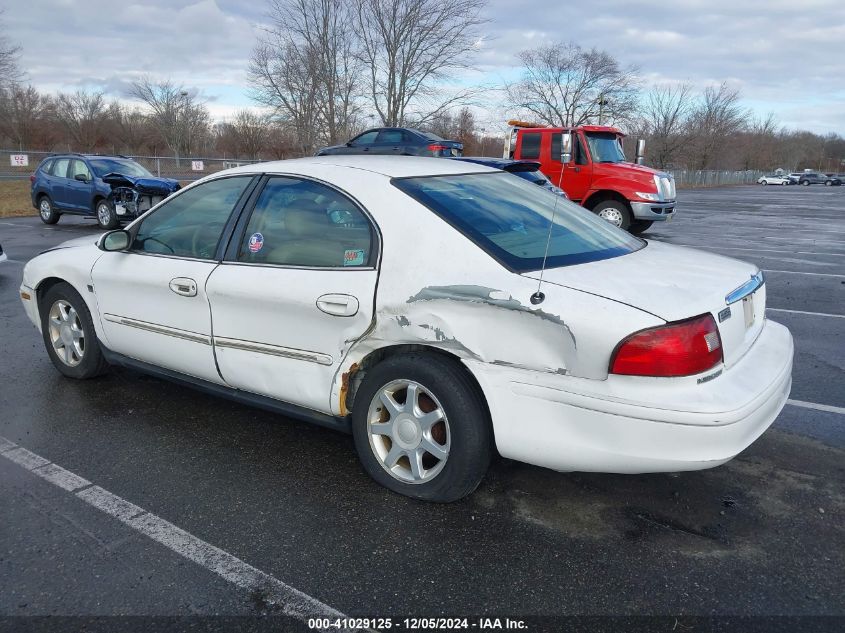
(184, 109)
(602, 102)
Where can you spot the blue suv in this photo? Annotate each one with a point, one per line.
(108, 188)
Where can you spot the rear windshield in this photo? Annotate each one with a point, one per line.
(509, 218)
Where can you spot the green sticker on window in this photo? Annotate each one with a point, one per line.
(353, 257)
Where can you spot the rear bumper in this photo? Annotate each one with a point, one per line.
(653, 211)
(623, 425)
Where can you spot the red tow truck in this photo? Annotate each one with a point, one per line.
(588, 163)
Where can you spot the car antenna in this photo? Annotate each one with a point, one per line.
(565, 156)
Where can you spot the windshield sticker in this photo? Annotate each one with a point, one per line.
(353, 257)
(256, 242)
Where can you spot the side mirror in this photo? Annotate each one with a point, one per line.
(115, 241)
(640, 151)
(81, 177)
(566, 147)
(349, 143)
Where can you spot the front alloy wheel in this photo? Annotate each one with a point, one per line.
(66, 333)
(106, 216)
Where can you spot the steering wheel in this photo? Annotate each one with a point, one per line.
(195, 239)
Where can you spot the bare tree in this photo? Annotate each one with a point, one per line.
(249, 130)
(83, 116)
(10, 71)
(283, 78)
(664, 115)
(718, 116)
(130, 127)
(178, 116)
(563, 84)
(26, 115)
(407, 46)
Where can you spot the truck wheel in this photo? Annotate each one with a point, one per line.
(640, 226)
(106, 216)
(421, 429)
(46, 211)
(614, 212)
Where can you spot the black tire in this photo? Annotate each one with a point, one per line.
(764, 183)
(640, 226)
(91, 363)
(106, 215)
(806, 183)
(468, 427)
(612, 207)
(46, 211)
(828, 183)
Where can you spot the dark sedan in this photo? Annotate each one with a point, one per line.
(397, 141)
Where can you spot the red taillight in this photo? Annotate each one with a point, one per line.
(678, 349)
(437, 148)
(31, 178)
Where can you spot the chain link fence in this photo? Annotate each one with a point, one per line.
(15, 165)
(20, 164)
(689, 178)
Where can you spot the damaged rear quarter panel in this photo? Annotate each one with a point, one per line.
(437, 289)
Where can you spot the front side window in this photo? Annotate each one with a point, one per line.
(191, 223)
(367, 138)
(303, 223)
(79, 168)
(509, 218)
(605, 147)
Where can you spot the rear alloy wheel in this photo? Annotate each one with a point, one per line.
(106, 216)
(614, 212)
(828, 183)
(785, 182)
(69, 335)
(640, 226)
(764, 183)
(421, 429)
(806, 183)
(46, 211)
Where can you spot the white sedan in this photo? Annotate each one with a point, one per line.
(774, 180)
(439, 311)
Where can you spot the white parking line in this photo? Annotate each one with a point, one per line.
(761, 250)
(816, 406)
(821, 314)
(796, 272)
(292, 602)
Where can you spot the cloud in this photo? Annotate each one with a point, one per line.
(785, 56)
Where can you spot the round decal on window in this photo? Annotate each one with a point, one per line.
(256, 242)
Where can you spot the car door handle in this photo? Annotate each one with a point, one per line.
(338, 305)
(184, 286)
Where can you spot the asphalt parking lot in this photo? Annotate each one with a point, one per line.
(761, 535)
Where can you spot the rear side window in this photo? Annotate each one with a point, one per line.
(509, 218)
(530, 147)
(391, 136)
(60, 167)
(191, 223)
(46, 166)
(307, 224)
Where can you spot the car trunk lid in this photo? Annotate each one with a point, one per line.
(675, 283)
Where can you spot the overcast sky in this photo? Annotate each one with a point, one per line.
(786, 57)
